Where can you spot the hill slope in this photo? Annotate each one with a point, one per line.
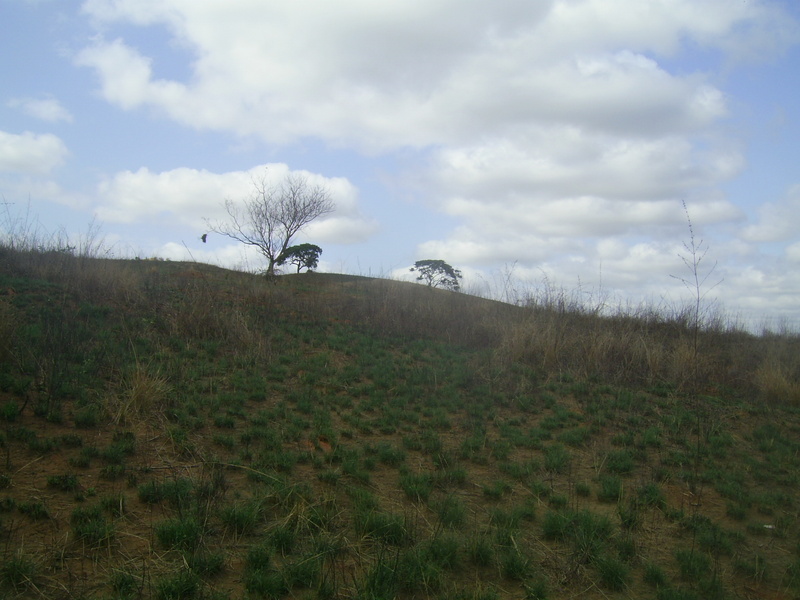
(175, 430)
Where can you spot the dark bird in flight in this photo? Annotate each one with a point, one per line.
(203, 237)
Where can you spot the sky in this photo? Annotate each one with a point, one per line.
(532, 144)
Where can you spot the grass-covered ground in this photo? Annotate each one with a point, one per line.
(175, 430)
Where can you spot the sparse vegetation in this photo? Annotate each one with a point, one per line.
(206, 433)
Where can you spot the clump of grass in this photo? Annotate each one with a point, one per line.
(610, 488)
(556, 459)
(386, 527)
(34, 509)
(654, 575)
(587, 532)
(125, 584)
(283, 537)
(480, 551)
(10, 410)
(651, 495)
(620, 462)
(87, 417)
(206, 564)
(693, 564)
(515, 565)
(183, 585)
(64, 483)
(417, 486)
(18, 571)
(614, 573)
(240, 518)
(754, 567)
(452, 512)
(390, 455)
(181, 533)
(496, 489)
(89, 524)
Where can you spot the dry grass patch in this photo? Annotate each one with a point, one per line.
(143, 392)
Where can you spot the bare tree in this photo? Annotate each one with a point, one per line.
(273, 214)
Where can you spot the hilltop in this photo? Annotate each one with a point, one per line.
(177, 430)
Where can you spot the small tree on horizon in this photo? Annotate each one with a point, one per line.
(273, 214)
(437, 273)
(302, 256)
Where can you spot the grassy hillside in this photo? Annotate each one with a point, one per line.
(175, 430)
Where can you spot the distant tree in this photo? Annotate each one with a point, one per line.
(302, 256)
(273, 214)
(437, 273)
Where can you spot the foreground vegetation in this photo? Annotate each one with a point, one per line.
(175, 430)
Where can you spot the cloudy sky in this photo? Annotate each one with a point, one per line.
(542, 140)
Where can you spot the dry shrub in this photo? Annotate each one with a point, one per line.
(775, 384)
(143, 392)
(104, 280)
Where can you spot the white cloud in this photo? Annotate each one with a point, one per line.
(778, 221)
(420, 73)
(793, 253)
(46, 109)
(31, 153)
(342, 229)
(189, 197)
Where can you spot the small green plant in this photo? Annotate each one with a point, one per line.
(283, 537)
(417, 486)
(258, 558)
(386, 527)
(480, 551)
(35, 510)
(614, 573)
(206, 564)
(303, 572)
(753, 567)
(693, 564)
(241, 518)
(390, 455)
(89, 524)
(9, 411)
(537, 589)
(183, 585)
(87, 417)
(452, 512)
(18, 571)
(610, 488)
(114, 505)
(651, 495)
(514, 565)
(587, 532)
(125, 584)
(64, 483)
(181, 533)
(654, 575)
(496, 489)
(556, 459)
(620, 462)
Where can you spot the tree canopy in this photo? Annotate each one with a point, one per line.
(303, 256)
(437, 273)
